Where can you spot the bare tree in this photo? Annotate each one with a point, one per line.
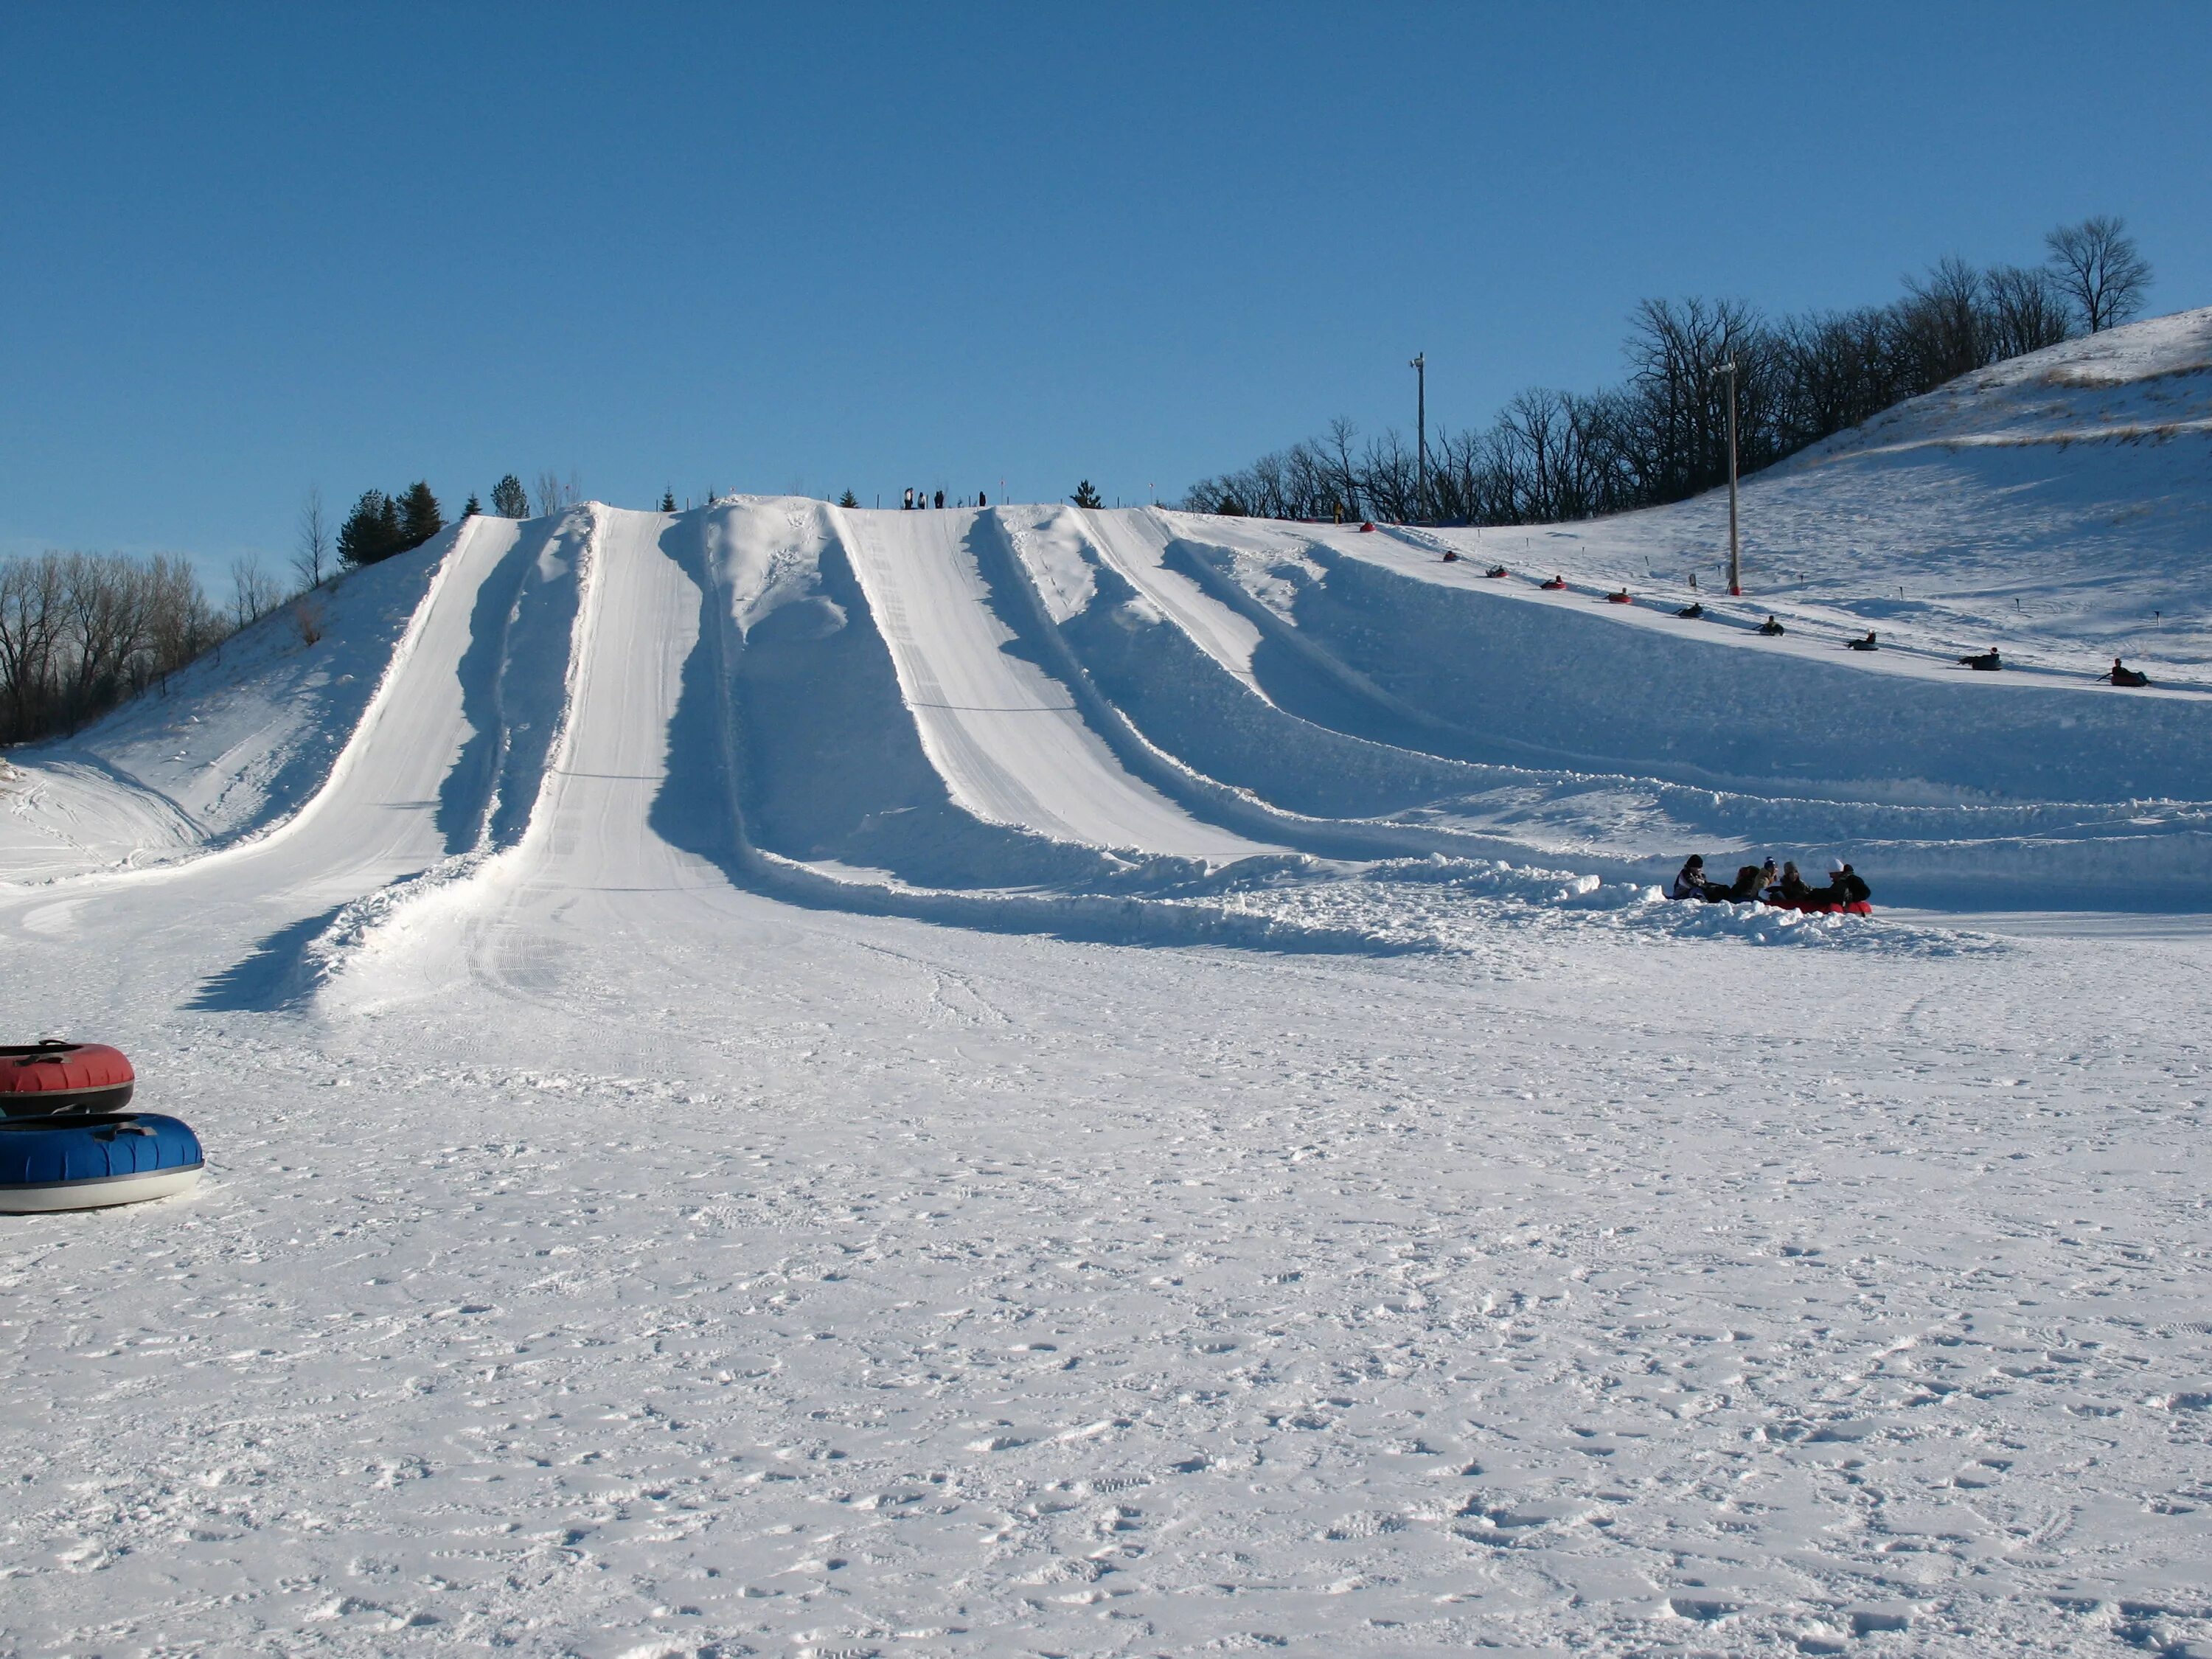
(1941, 320)
(79, 632)
(253, 592)
(310, 555)
(2026, 311)
(2097, 266)
(556, 493)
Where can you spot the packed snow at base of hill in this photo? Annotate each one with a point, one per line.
(788, 1081)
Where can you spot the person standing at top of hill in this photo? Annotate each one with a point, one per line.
(940, 498)
(981, 500)
(907, 505)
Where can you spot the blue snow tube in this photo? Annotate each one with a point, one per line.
(82, 1163)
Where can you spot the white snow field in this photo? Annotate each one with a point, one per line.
(798, 1082)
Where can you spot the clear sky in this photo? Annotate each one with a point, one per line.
(250, 248)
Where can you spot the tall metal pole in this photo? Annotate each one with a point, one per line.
(1420, 368)
(1735, 561)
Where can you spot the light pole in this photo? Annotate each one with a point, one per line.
(1736, 562)
(1420, 368)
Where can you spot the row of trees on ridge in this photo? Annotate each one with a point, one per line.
(1662, 435)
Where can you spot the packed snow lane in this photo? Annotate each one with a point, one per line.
(1134, 545)
(1008, 739)
(639, 624)
(588, 844)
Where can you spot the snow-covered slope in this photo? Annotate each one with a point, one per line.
(629, 1233)
(1064, 706)
(2055, 505)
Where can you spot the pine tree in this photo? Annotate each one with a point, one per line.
(1084, 496)
(473, 509)
(509, 500)
(848, 499)
(371, 530)
(668, 501)
(420, 516)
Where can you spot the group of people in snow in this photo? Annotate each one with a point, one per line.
(1988, 661)
(1762, 883)
(920, 498)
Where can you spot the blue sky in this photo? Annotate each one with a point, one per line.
(254, 248)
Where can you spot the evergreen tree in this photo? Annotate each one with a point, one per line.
(509, 500)
(668, 501)
(848, 499)
(473, 509)
(420, 516)
(371, 530)
(390, 528)
(1084, 496)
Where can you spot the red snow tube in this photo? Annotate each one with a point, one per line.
(1620, 597)
(37, 1079)
(1855, 907)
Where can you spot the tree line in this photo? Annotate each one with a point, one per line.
(380, 525)
(79, 632)
(1663, 434)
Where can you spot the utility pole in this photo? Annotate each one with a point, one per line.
(1736, 562)
(1420, 368)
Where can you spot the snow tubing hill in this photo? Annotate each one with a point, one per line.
(86, 1162)
(39, 1080)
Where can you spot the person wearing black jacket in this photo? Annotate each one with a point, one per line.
(1845, 887)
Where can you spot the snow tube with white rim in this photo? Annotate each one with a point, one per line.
(88, 1161)
(37, 1079)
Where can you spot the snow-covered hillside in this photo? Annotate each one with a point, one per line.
(2055, 505)
(788, 1080)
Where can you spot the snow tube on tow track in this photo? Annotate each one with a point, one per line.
(85, 1161)
(37, 1079)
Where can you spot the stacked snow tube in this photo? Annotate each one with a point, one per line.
(84, 1161)
(39, 1080)
(1855, 907)
(66, 1142)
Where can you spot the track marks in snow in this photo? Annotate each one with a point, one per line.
(1008, 740)
(1400, 1330)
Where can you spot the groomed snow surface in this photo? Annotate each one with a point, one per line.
(789, 1081)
